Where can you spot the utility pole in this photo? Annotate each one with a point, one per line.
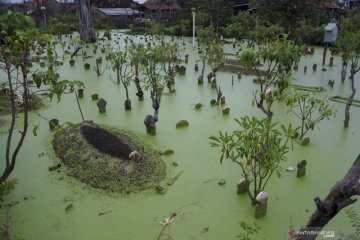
(193, 13)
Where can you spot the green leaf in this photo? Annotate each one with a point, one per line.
(35, 128)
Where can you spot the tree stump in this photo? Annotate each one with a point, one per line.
(127, 104)
(314, 67)
(200, 79)
(331, 61)
(301, 168)
(87, 66)
(222, 100)
(94, 96)
(196, 67)
(149, 123)
(226, 110)
(81, 93)
(101, 105)
(99, 60)
(53, 123)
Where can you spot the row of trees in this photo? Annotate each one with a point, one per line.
(151, 67)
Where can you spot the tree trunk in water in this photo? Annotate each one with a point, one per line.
(86, 30)
(140, 92)
(340, 196)
(11, 157)
(127, 103)
(343, 72)
(203, 68)
(350, 99)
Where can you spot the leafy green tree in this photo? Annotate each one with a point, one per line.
(137, 52)
(241, 25)
(155, 79)
(216, 55)
(121, 63)
(266, 33)
(20, 47)
(205, 36)
(216, 59)
(309, 107)
(258, 147)
(348, 42)
(172, 59)
(274, 74)
(287, 14)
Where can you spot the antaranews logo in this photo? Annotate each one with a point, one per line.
(325, 234)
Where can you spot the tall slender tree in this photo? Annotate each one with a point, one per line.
(349, 44)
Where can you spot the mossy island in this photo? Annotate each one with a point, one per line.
(98, 156)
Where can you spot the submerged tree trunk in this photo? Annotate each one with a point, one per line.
(86, 30)
(140, 92)
(203, 67)
(350, 99)
(150, 121)
(343, 71)
(340, 196)
(127, 103)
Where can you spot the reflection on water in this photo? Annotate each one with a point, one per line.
(43, 196)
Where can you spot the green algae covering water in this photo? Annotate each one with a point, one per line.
(57, 207)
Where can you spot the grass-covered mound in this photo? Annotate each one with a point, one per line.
(99, 156)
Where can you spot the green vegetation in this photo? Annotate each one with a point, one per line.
(349, 44)
(258, 147)
(309, 107)
(17, 51)
(277, 58)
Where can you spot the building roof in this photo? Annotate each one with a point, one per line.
(328, 5)
(115, 4)
(119, 11)
(162, 4)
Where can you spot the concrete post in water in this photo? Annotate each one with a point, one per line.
(301, 168)
(94, 96)
(242, 186)
(101, 105)
(81, 93)
(261, 205)
(196, 67)
(331, 61)
(222, 100)
(305, 69)
(314, 67)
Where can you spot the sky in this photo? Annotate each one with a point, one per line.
(140, 1)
